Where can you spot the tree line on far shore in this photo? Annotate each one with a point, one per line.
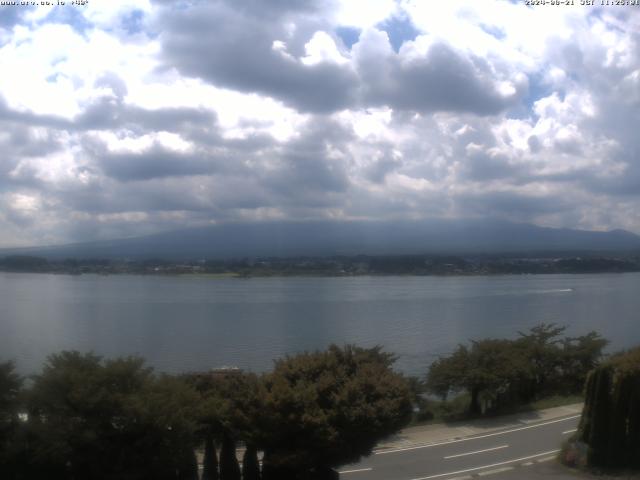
(85, 417)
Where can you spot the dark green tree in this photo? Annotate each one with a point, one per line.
(499, 372)
(250, 464)
(188, 470)
(232, 410)
(10, 431)
(491, 372)
(610, 423)
(210, 461)
(95, 419)
(542, 349)
(579, 356)
(329, 408)
(449, 374)
(229, 467)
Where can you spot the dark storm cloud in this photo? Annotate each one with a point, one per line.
(310, 166)
(443, 80)
(480, 165)
(156, 162)
(257, 8)
(109, 196)
(232, 49)
(378, 169)
(10, 115)
(19, 143)
(107, 114)
(513, 205)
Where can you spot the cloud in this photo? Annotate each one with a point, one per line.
(234, 48)
(155, 162)
(161, 115)
(438, 79)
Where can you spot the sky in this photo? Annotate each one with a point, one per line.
(121, 118)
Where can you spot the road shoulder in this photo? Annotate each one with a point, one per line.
(442, 432)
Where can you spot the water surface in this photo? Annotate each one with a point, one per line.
(193, 323)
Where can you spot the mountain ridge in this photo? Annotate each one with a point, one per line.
(325, 238)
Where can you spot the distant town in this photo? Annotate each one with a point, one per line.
(334, 266)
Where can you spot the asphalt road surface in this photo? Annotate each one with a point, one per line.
(467, 457)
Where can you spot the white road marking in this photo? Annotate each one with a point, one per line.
(356, 471)
(477, 451)
(546, 459)
(570, 431)
(494, 471)
(487, 466)
(384, 452)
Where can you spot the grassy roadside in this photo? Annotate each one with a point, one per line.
(456, 409)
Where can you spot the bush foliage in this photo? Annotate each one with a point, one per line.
(610, 423)
(84, 417)
(496, 373)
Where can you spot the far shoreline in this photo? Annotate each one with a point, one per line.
(337, 266)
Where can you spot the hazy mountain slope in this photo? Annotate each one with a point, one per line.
(349, 238)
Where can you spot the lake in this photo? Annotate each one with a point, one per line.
(195, 323)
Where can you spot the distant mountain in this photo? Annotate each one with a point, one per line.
(287, 239)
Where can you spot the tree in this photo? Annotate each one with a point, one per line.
(232, 408)
(250, 464)
(210, 461)
(448, 374)
(491, 371)
(579, 356)
(163, 420)
(10, 390)
(329, 408)
(96, 419)
(542, 348)
(498, 372)
(610, 423)
(229, 468)
(188, 470)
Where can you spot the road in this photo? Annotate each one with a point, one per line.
(467, 457)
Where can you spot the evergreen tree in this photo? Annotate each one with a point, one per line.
(229, 468)
(210, 462)
(10, 431)
(189, 469)
(610, 423)
(250, 464)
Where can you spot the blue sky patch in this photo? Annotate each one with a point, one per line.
(68, 16)
(538, 89)
(399, 30)
(348, 35)
(133, 22)
(493, 31)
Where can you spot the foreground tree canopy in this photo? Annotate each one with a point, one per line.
(93, 418)
(499, 372)
(84, 417)
(330, 408)
(610, 423)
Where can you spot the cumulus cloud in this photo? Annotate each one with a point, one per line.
(293, 58)
(139, 116)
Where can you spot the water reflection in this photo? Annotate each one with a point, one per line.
(186, 323)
